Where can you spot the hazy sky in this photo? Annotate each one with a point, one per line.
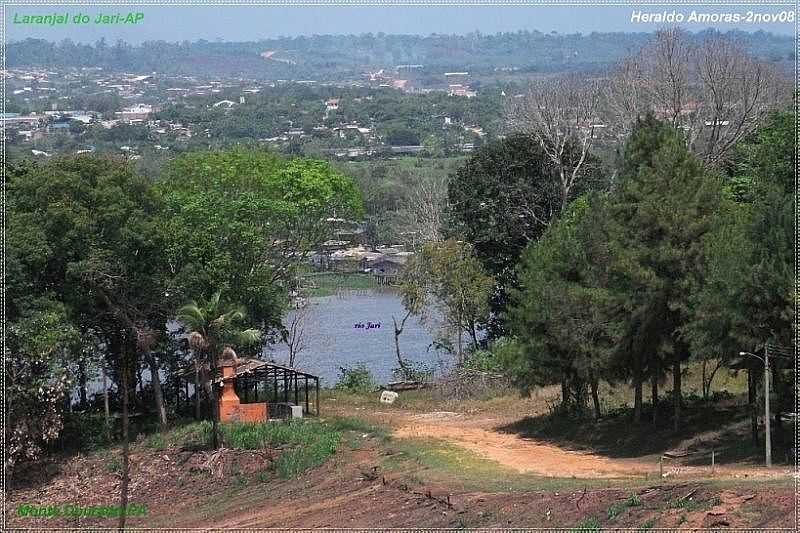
(244, 23)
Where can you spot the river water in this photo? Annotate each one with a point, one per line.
(356, 326)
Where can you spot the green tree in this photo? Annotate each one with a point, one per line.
(40, 342)
(86, 233)
(566, 316)
(501, 199)
(242, 221)
(447, 276)
(214, 326)
(745, 293)
(664, 206)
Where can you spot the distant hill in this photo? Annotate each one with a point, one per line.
(333, 57)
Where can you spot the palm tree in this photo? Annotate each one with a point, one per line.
(213, 327)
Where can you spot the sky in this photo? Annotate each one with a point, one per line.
(248, 23)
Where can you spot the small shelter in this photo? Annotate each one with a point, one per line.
(255, 390)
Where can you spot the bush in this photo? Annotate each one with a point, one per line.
(587, 524)
(413, 371)
(86, 431)
(356, 378)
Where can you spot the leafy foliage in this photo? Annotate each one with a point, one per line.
(448, 276)
(355, 378)
(504, 197)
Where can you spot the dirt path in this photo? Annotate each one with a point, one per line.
(523, 455)
(481, 436)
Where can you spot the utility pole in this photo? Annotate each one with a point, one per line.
(768, 435)
(779, 352)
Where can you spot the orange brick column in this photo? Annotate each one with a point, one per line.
(230, 407)
(229, 404)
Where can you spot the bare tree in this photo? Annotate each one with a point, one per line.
(712, 90)
(561, 114)
(423, 210)
(295, 334)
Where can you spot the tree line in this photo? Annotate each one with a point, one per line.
(340, 56)
(102, 263)
(675, 246)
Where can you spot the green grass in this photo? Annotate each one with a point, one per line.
(191, 436)
(466, 470)
(291, 463)
(648, 524)
(310, 442)
(618, 508)
(305, 443)
(590, 523)
(358, 425)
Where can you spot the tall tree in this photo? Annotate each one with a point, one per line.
(566, 316)
(242, 221)
(561, 114)
(88, 231)
(709, 86)
(450, 278)
(663, 208)
(212, 326)
(504, 197)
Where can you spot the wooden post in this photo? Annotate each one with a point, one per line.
(661, 467)
(296, 392)
(306, 390)
(317, 387)
(712, 462)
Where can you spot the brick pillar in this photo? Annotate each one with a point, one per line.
(229, 409)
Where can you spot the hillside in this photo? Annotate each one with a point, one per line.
(334, 57)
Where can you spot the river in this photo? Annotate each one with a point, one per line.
(356, 326)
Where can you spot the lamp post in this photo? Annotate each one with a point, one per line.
(768, 435)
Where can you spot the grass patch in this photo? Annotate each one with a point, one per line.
(590, 523)
(358, 425)
(309, 443)
(291, 463)
(618, 508)
(648, 524)
(687, 504)
(466, 470)
(192, 436)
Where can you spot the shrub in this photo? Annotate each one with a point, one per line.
(86, 431)
(589, 523)
(413, 371)
(356, 378)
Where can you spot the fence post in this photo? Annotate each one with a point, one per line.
(661, 467)
(712, 462)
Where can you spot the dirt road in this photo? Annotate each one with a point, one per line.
(480, 434)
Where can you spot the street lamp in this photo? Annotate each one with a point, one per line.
(768, 435)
